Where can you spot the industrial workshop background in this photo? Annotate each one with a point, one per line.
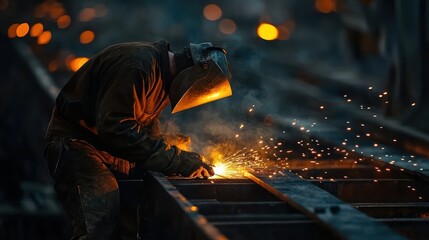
(298, 65)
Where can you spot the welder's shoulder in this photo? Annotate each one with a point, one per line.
(130, 50)
(131, 54)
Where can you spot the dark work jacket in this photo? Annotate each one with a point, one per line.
(114, 99)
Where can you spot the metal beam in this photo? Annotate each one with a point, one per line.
(340, 218)
(173, 216)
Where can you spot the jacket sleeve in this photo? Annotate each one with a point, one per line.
(119, 122)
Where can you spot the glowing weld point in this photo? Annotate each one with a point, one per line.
(219, 169)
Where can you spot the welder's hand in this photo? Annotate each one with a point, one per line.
(192, 165)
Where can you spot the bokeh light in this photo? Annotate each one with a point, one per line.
(22, 29)
(325, 6)
(36, 30)
(11, 31)
(53, 65)
(284, 33)
(87, 14)
(56, 10)
(41, 10)
(212, 12)
(267, 31)
(63, 21)
(44, 38)
(87, 37)
(227, 26)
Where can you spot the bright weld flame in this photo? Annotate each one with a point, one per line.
(222, 163)
(220, 169)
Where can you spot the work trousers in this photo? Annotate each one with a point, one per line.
(87, 186)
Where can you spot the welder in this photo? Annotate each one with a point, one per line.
(105, 125)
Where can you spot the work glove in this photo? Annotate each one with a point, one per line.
(191, 165)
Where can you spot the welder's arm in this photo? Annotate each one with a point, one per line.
(118, 108)
(190, 164)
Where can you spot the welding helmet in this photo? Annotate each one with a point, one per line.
(206, 81)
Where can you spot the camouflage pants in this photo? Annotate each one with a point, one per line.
(87, 187)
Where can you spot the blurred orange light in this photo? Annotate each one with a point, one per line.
(290, 24)
(11, 31)
(325, 6)
(53, 66)
(284, 33)
(56, 10)
(68, 59)
(36, 30)
(44, 38)
(77, 63)
(63, 21)
(227, 26)
(87, 37)
(87, 14)
(267, 31)
(22, 29)
(212, 12)
(41, 10)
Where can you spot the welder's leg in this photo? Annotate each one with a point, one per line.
(89, 192)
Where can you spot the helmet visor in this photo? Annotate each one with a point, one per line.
(197, 86)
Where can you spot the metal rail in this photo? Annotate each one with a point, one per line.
(256, 208)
